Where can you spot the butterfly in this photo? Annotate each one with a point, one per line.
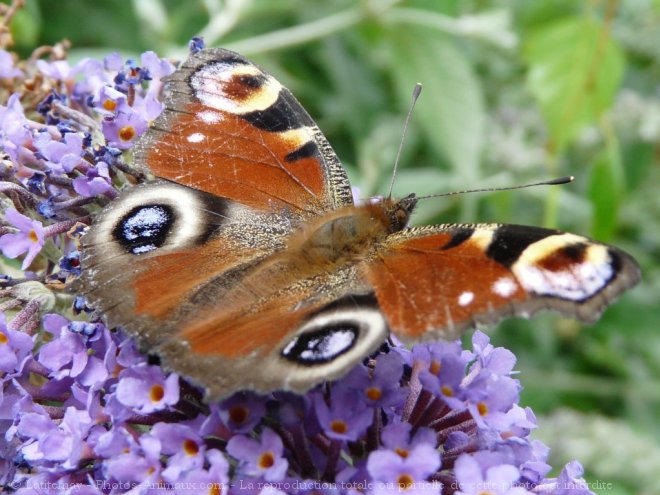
(245, 264)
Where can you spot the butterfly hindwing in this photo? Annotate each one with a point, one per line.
(283, 345)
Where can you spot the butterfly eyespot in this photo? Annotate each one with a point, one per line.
(322, 345)
(252, 80)
(144, 228)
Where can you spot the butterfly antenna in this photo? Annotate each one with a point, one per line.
(551, 182)
(415, 95)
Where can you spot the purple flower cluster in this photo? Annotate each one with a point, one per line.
(83, 412)
(68, 153)
(87, 413)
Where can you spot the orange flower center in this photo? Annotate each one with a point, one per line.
(3, 338)
(110, 105)
(117, 369)
(405, 482)
(190, 447)
(482, 408)
(238, 414)
(127, 133)
(157, 393)
(402, 452)
(32, 235)
(339, 426)
(215, 489)
(447, 391)
(266, 460)
(373, 393)
(435, 367)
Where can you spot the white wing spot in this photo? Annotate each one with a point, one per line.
(215, 86)
(577, 284)
(465, 298)
(210, 117)
(504, 287)
(209, 86)
(196, 137)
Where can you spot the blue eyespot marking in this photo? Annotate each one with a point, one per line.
(144, 228)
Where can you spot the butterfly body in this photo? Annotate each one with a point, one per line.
(245, 264)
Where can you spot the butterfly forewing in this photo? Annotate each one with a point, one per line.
(232, 130)
(434, 282)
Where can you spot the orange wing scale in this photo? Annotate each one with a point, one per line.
(236, 160)
(162, 284)
(421, 287)
(234, 335)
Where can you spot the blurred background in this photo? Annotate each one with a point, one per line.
(514, 91)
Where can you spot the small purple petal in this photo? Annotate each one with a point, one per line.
(146, 389)
(7, 69)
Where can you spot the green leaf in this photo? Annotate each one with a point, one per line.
(639, 158)
(112, 24)
(360, 103)
(575, 68)
(450, 109)
(605, 191)
(26, 26)
(531, 14)
(376, 155)
(447, 7)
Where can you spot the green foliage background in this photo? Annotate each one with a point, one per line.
(514, 91)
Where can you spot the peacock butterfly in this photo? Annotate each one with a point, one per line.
(245, 264)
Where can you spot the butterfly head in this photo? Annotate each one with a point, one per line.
(398, 211)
